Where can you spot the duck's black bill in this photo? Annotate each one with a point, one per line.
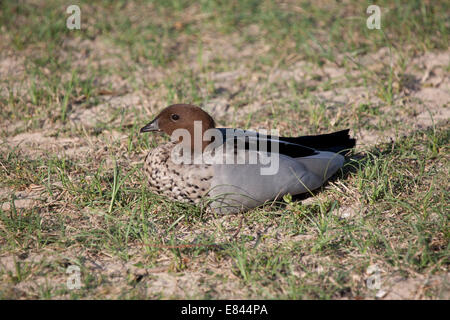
(152, 126)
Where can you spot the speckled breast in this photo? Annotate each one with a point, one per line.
(180, 182)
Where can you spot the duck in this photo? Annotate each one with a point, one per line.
(230, 170)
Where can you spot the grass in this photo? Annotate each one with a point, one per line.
(71, 187)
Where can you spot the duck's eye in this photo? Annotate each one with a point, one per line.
(175, 117)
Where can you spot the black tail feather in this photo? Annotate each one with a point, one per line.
(334, 142)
